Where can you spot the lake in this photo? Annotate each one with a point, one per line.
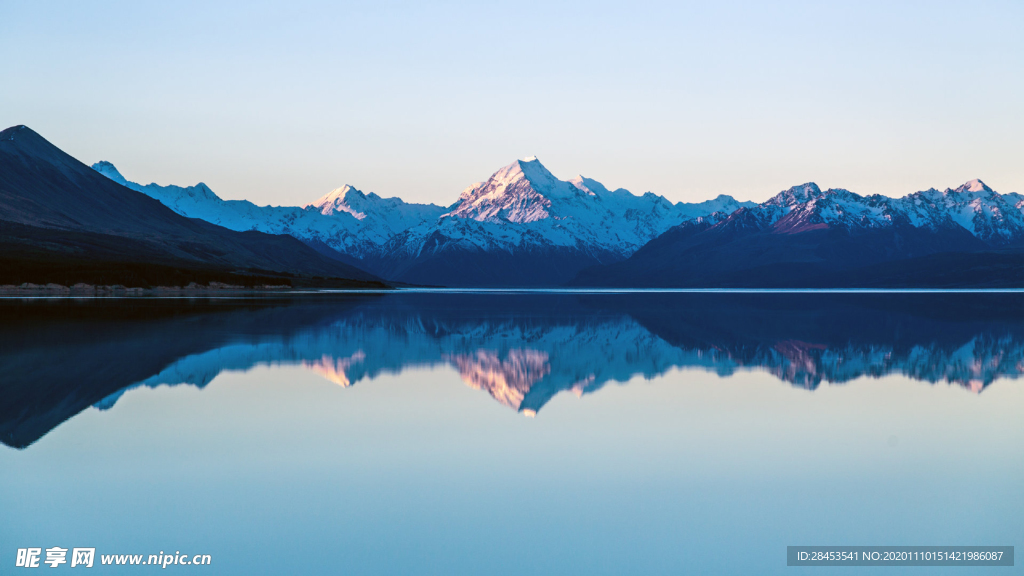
(510, 432)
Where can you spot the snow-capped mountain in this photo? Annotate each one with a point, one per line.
(384, 217)
(523, 226)
(808, 237)
(987, 215)
(351, 222)
(563, 212)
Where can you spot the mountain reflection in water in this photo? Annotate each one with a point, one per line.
(60, 357)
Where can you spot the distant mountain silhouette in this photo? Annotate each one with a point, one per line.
(62, 222)
(59, 358)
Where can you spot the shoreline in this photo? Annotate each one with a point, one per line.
(81, 289)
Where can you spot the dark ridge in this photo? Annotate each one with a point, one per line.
(729, 255)
(59, 212)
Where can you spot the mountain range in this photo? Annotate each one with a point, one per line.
(521, 227)
(807, 237)
(525, 227)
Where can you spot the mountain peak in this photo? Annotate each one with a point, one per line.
(531, 169)
(340, 200)
(975, 185)
(520, 192)
(589, 185)
(338, 194)
(13, 131)
(796, 195)
(27, 139)
(110, 171)
(25, 143)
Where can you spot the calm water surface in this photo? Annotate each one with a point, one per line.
(511, 433)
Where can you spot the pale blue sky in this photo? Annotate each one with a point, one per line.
(281, 102)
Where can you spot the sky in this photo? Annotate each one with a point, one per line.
(281, 102)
